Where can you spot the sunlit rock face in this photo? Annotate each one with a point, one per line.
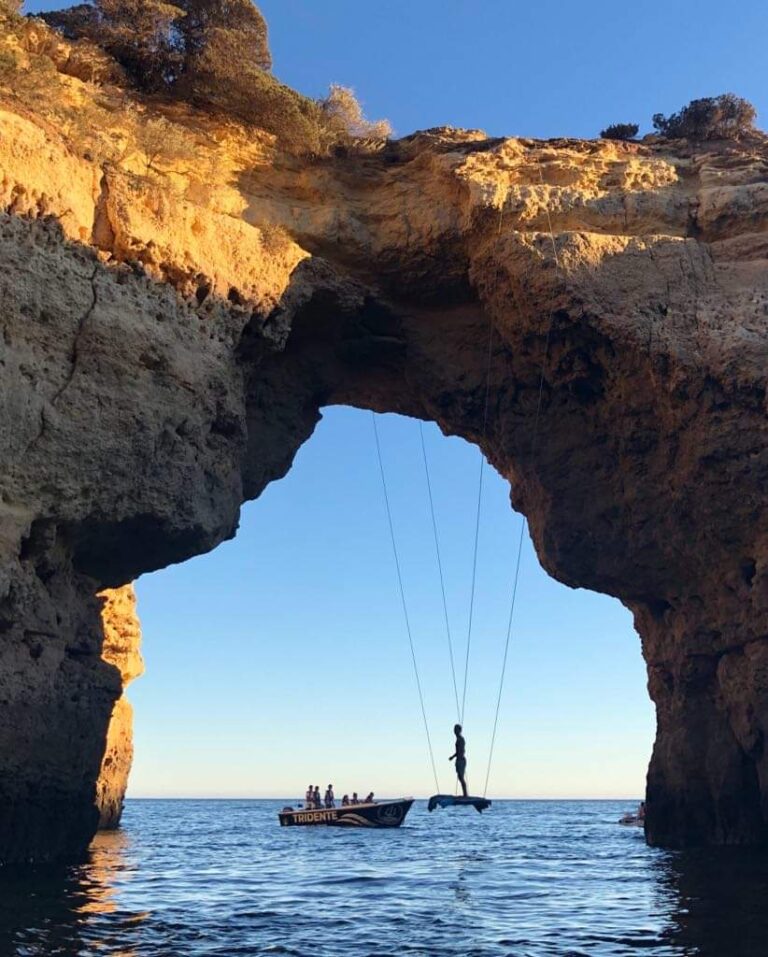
(170, 336)
(121, 648)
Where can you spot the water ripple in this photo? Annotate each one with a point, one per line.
(527, 879)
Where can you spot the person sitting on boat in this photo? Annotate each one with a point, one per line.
(460, 754)
(369, 799)
(355, 798)
(330, 800)
(345, 801)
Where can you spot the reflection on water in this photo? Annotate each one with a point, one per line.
(203, 878)
(70, 910)
(719, 902)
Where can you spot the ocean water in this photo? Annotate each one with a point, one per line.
(204, 878)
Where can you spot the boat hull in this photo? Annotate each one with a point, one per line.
(380, 814)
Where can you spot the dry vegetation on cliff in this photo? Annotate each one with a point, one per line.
(214, 55)
(72, 88)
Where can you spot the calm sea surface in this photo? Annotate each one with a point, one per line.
(199, 878)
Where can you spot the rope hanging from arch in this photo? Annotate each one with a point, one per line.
(406, 616)
(524, 523)
(440, 571)
(518, 556)
(477, 519)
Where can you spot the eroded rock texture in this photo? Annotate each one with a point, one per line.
(169, 338)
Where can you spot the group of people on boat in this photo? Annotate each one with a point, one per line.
(312, 798)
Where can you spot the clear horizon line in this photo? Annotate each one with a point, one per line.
(234, 797)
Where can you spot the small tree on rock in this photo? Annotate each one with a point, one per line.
(142, 35)
(221, 78)
(724, 117)
(240, 19)
(164, 143)
(225, 49)
(159, 42)
(620, 131)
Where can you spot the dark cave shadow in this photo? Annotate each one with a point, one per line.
(718, 901)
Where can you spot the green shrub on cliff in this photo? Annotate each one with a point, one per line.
(222, 75)
(165, 144)
(723, 117)
(141, 35)
(620, 131)
(159, 43)
(234, 25)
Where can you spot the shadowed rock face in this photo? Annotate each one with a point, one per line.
(166, 351)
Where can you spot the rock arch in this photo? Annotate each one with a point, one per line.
(166, 353)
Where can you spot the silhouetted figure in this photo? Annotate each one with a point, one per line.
(369, 799)
(309, 797)
(329, 797)
(460, 754)
(318, 801)
(345, 801)
(355, 798)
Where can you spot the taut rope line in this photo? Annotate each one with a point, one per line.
(402, 598)
(477, 517)
(523, 524)
(479, 493)
(440, 569)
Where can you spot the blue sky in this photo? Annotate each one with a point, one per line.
(281, 658)
(548, 68)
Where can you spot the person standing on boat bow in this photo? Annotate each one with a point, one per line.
(330, 799)
(460, 754)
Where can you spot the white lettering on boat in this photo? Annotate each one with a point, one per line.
(315, 817)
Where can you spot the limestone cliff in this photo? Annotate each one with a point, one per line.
(122, 641)
(175, 316)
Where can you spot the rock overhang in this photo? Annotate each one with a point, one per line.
(169, 341)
